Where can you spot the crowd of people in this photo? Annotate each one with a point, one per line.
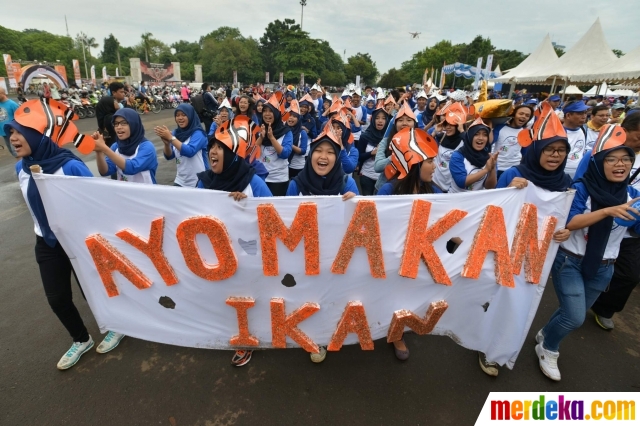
(368, 142)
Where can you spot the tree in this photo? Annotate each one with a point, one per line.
(222, 33)
(393, 78)
(88, 42)
(479, 47)
(559, 50)
(361, 64)
(508, 59)
(274, 35)
(299, 54)
(110, 48)
(617, 52)
(146, 44)
(220, 58)
(431, 57)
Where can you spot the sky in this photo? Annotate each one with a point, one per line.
(378, 27)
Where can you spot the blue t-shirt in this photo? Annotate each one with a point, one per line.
(7, 109)
(507, 176)
(350, 186)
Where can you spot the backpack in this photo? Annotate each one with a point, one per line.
(198, 104)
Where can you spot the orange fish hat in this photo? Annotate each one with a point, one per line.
(336, 105)
(236, 134)
(408, 147)
(405, 109)
(610, 136)
(54, 120)
(455, 114)
(390, 100)
(546, 126)
(277, 102)
(328, 133)
(294, 107)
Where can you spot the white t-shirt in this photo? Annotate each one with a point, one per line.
(188, 167)
(592, 136)
(471, 169)
(442, 175)
(507, 146)
(142, 177)
(577, 142)
(367, 167)
(277, 167)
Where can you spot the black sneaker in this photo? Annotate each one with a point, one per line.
(491, 368)
(241, 358)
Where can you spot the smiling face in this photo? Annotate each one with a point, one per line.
(337, 128)
(355, 100)
(449, 129)
(553, 155)
(259, 107)
(267, 116)
(380, 121)
(122, 129)
(216, 158)
(422, 103)
(304, 109)
(182, 120)
(480, 140)
(433, 104)
(243, 105)
(19, 144)
(522, 117)
(404, 122)
(617, 165)
(573, 120)
(427, 169)
(224, 115)
(323, 158)
(292, 120)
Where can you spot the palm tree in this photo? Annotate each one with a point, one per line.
(146, 43)
(89, 42)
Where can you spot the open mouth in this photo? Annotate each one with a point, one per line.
(16, 146)
(322, 164)
(213, 161)
(619, 173)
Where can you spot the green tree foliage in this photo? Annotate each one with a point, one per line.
(221, 57)
(270, 43)
(109, 52)
(479, 47)
(298, 54)
(618, 52)
(431, 57)
(393, 78)
(361, 64)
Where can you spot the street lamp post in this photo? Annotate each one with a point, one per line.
(84, 55)
(303, 3)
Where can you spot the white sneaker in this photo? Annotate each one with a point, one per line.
(540, 337)
(548, 362)
(74, 353)
(320, 356)
(489, 367)
(111, 340)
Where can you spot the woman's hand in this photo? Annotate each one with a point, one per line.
(374, 151)
(518, 182)
(100, 145)
(349, 195)
(237, 196)
(623, 210)
(164, 133)
(561, 235)
(270, 133)
(491, 162)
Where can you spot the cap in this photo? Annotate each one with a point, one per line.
(575, 107)
(554, 98)
(617, 105)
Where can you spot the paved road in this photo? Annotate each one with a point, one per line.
(144, 383)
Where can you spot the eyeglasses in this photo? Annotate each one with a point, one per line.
(120, 124)
(549, 150)
(612, 161)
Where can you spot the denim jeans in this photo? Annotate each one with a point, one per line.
(575, 295)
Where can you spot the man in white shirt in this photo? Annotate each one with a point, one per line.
(575, 114)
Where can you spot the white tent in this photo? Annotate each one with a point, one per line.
(625, 92)
(594, 90)
(572, 90)
(542, 56)
(623, 69)
(589, 54)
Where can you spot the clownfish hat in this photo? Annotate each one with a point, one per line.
(405, 109)
(610, 136)
(546, 127)
(54, 120)
(236, 135)
(455, 113)
(294, 107)
(408, 147)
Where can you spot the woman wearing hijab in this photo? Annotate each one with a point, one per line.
(368, 148)
(132, 156)
(225, 113)
(323, 175)
(472, 166)
(276, 140)
(583, 265)
(454, 116)
(307, 110)
(369, 106)
(299, 147)
(228, 171)
(506, 138)
(403, 119)
(33, 148)
(426, 119)
(186, 144)
(408, 177)
(259, 106)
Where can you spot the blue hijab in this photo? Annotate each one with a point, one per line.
(128, 146)
(428, 114)
(475, 157)
(193, 125)
(295, 130)
(50, 157)
(530, 168)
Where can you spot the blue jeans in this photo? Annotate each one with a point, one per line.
(575, 295)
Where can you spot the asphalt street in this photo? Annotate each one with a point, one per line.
(145, 383)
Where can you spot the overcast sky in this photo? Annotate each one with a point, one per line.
(379, 27)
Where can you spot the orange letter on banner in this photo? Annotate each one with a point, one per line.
(527, 248)
(283, 325)
(152, 248)
(108, 259)
(354, 320)
(217, 233)
(491, 236)
(404, 318)
(420, 239)
(243, 338)
(363, 231)
(305, 225)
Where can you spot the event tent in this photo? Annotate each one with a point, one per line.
(572, 90)
(623, 69)
(590, 53)
(539, 58)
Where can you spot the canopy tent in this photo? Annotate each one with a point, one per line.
(589, 54)
(625, 92)
(623, 69)
(594, 90)
(572, 90)
(632, 86)
(541, 57)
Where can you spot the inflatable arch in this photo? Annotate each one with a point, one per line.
(29, 72)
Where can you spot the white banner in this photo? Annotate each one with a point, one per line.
(217, 274)
(105, 77)
(489, 64)
(93, 74)
(476, 82)
(9, 67)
